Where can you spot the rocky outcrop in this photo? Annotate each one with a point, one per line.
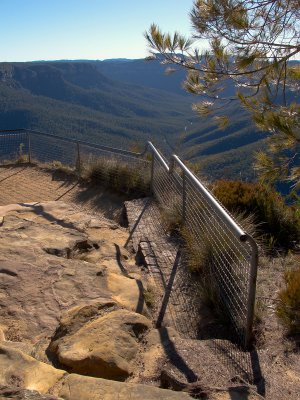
(99, 340)
(70, 295)
(23, 377)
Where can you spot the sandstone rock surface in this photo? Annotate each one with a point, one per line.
(44, 270)
(23, 377)
(71, 296)
(19, 369)
(76, 387)
(127, 292)
(17, 393)
(105, 346)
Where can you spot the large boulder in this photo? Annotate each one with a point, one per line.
(99, 340)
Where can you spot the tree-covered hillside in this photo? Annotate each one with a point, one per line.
(75, 99)
(119, 103)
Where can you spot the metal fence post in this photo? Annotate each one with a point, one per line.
(152, 173)
(183, 197)
(78, 161)
(251, 290)
(29, 148)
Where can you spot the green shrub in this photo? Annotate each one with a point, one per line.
(278, 222)
(288, 309)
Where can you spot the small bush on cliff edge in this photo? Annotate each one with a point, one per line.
(278, 222)
(288, 309)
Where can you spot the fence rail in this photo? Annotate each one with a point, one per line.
(227, 253)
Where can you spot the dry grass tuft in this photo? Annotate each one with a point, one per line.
(150, 296)
(171, 217)
(118, 176)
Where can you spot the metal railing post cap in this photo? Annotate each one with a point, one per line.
(158, 155)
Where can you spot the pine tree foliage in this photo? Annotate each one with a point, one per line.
(253, 46)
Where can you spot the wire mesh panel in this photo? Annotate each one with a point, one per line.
(167, 188)
(222, 259)
(47, 149)
(13, 147)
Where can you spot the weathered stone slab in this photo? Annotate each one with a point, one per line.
(76, 387)
(104, 346)
(52, 259)
(19, 369)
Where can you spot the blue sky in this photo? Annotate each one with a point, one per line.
(84, 29)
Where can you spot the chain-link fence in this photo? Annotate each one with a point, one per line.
(219, 251)
(14, 147)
